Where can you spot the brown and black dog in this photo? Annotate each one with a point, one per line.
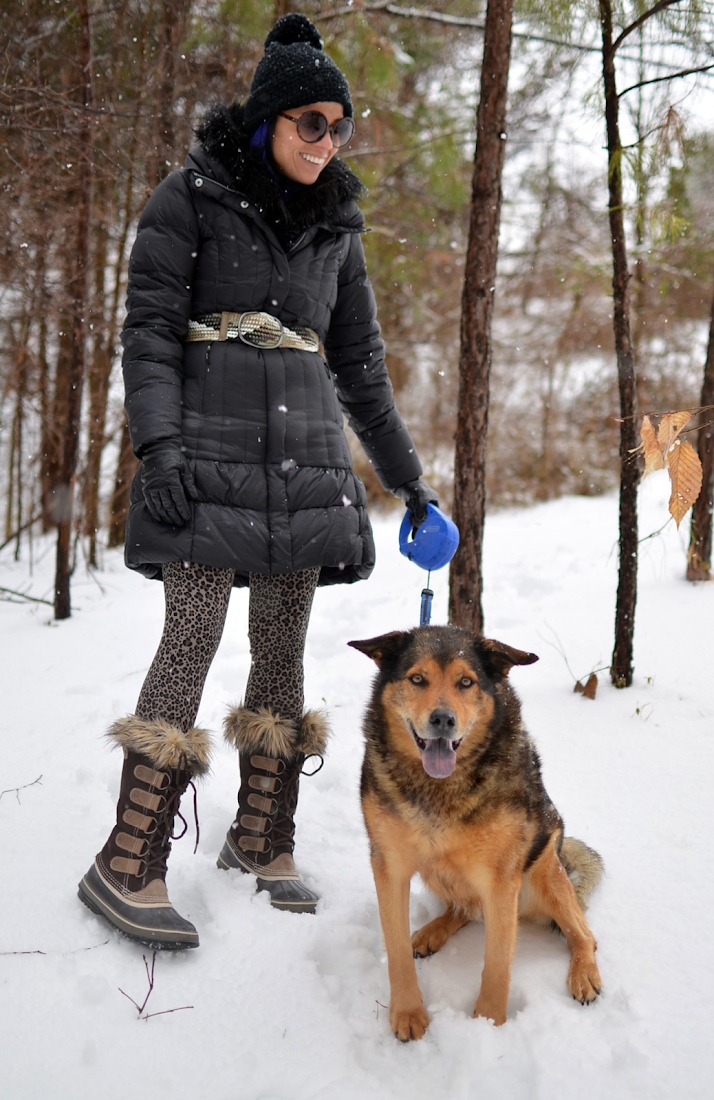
(452, 789)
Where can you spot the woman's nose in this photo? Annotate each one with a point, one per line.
(325, 143)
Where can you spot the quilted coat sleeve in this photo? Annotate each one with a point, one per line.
(355, 354)
(161, 270)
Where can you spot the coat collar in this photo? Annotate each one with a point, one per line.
(224, 154)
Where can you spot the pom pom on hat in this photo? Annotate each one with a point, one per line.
(293, 72)
(294, 27)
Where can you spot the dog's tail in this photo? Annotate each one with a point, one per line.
(584, 866)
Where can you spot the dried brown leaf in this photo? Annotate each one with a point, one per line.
(670, 426)
(685, 472)
(589, 688)
(654, 459)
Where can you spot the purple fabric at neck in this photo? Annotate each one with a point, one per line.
(260, 146)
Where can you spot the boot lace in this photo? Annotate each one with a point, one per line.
(157, 854)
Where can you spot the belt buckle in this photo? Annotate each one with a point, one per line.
(260, 330)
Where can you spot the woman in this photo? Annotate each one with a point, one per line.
(245, 263)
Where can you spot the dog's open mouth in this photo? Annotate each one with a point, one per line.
(438, 754)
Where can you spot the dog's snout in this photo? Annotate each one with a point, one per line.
(442, 722)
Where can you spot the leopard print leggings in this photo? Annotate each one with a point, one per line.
(196, 605)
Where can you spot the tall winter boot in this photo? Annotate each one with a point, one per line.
(126, 884)
(262, 838)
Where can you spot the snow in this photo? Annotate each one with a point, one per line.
(288, 1007)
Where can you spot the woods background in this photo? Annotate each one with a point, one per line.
(97, 104)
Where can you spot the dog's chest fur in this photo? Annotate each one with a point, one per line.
(493, 812)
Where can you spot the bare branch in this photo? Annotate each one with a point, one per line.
(22, 952)
(376, 150)
(33, 599)
(16, 792)
(165, 1012)
(659, 79)
(150, 979)
(469, 21)
(658, 7)
(19, 531)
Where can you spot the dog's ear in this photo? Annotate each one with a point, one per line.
(500, 658)
(383, 648)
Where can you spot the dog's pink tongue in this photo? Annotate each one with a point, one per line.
(438, 758)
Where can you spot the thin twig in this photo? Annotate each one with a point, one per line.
(559, 649)
(16, 790)
(165, 1011)
(20, 530)
(23, 596)
(23, 952)
(658, 532)
(75, 951)
(150, 979)
(659, 79)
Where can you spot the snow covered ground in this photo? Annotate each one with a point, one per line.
(288, 1007)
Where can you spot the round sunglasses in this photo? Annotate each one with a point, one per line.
(312, 125)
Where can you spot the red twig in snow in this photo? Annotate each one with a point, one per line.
(150, 979)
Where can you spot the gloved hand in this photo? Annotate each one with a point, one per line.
(416, 495)
(166, 482)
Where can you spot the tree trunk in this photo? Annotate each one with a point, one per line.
(175, 14)
(126, 468)
(465, 585)
(98, 384)
(700, 538)
(74, 362)
(621, 668)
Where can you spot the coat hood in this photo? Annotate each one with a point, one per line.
(225, 154)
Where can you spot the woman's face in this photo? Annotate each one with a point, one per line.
(300, 160)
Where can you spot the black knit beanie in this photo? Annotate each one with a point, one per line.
(294, 71)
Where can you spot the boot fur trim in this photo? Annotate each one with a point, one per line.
(165, 745)
(584, 866)
(262, 731)
(259, 730)
(314, 733)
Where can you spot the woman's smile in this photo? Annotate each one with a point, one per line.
(302, 161)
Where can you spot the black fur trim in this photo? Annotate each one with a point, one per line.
(224, 138)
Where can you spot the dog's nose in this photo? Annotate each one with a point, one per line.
(442, 722)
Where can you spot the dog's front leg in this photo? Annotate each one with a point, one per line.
(407, 1014)
(500, 914)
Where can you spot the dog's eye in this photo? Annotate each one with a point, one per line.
(465, 682)
(416, 678)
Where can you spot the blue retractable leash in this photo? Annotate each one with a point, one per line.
(432, 546)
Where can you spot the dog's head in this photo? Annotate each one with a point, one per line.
(438, 686)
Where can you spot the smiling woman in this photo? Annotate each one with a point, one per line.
(302, 158)
(246, 263)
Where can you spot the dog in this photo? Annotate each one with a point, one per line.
(452, 789)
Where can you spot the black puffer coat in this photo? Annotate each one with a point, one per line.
(262, 430)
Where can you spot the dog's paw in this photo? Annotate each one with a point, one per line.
(426, 943)
(584, 981)
(491, 1010)
(409, 1023)
(429, 939)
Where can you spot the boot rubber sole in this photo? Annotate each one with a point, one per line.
(292, 897)
(151, 927)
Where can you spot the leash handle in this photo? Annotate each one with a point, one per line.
(426, 597)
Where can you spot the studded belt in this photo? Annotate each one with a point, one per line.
(259, 330)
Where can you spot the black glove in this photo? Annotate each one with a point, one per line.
(166, 482)
(416, 495)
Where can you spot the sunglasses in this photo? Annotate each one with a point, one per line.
(312, 125)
